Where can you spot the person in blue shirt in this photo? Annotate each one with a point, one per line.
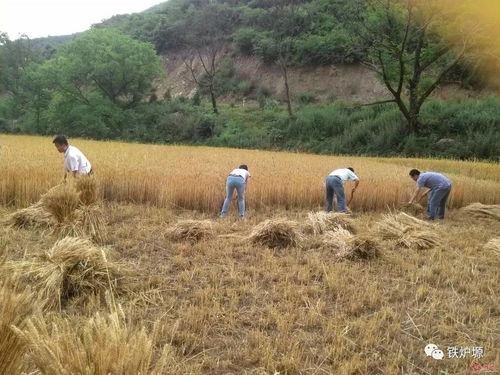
(437, 186)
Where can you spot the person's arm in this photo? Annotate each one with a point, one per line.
(424, 195)
(415, 195)
(356, 183)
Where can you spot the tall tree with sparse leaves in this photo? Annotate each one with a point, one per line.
(407, 53)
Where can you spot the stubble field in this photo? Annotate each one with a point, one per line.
(158, 285)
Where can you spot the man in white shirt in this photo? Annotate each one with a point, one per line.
(75, 163)
(237, 180)
(335, 186)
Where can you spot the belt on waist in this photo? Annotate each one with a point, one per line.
(236, 175)
(335, 176)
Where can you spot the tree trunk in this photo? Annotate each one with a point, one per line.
(212, 97)
(284, 70)
(414, 124)
(414, 108)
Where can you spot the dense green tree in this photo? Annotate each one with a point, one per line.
(15, 58)
(120, 68)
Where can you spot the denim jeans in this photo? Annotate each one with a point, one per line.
(334, 186)
(234, 183)
(436, 204)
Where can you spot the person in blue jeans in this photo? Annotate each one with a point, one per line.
(237, 180)
(437, 186)
(335, 186)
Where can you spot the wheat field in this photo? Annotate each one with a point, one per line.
(149, 282)
(193, 178)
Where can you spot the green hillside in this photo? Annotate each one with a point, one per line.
(107, 83)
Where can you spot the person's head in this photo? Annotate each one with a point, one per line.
(351, 169)
(414, 173)
(243, 166)
(61, 143)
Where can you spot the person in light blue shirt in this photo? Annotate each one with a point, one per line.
(437, 186)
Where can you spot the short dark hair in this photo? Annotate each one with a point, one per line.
(243, 166)
(351, 169)
(60, 140)
(414, 172)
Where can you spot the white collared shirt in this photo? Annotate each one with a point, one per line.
(241, 172)
(344, 174)
(75, 161)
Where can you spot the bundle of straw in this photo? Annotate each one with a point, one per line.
(482, 211)
(408, 231)
(348, 246)
(191, 230)
(61, 202)
(336, 239)
(88, 222)
(361, 247)
(320, 222)
(88, 190)
(68, 209)
(420, 240)
(276, 233)
(34, 216)
(72, 268)
(102, 345)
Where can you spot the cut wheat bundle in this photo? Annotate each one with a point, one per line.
(320, 222)
(191, 230)
(276, 233)
(408, 231)
(34, 216)
(88, 190)
(482, 211)
(63, 210)
(72, 268)
(348, 246)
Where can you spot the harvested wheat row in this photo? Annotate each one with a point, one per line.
(482, 211)
(320, 222)
(102, 345)
(72, 268)
(493, 245)
(408, 231)
(15, 308)
(191, 230)
(276, 233)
